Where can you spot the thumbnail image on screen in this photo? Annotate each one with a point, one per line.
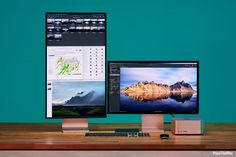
(78, 98)
(155, 89)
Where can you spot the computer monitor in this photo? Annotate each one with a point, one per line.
(153, 87)
(75, 67)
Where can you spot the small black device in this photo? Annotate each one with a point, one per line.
(164, 136)
(118, 134)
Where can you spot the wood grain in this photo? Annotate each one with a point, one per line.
(49, 136)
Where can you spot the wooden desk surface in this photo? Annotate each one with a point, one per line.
(49, 136)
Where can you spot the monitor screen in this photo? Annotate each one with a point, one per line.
(153, 87)
(75, 65)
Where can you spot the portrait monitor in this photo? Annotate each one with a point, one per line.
(75, 65)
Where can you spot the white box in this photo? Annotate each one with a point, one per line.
(187, 126)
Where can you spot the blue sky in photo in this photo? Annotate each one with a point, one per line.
(63, 91)
(169, 76)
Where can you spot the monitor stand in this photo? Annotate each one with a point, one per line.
(75, 125)
(152, 123)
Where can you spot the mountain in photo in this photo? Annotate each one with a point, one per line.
(151, 91)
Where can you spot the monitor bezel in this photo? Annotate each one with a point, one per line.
(105, 105)
(108, 101)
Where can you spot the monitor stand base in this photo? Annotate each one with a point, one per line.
(152, 123)
(75, 125)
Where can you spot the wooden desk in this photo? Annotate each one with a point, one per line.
(49, 137)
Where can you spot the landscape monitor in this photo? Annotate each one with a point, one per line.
(153, 87)
(75, 65)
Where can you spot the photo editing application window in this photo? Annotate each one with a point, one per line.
(153, 87)
(75, 51)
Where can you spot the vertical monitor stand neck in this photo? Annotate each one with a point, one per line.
(75, 125)
(153, 123)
